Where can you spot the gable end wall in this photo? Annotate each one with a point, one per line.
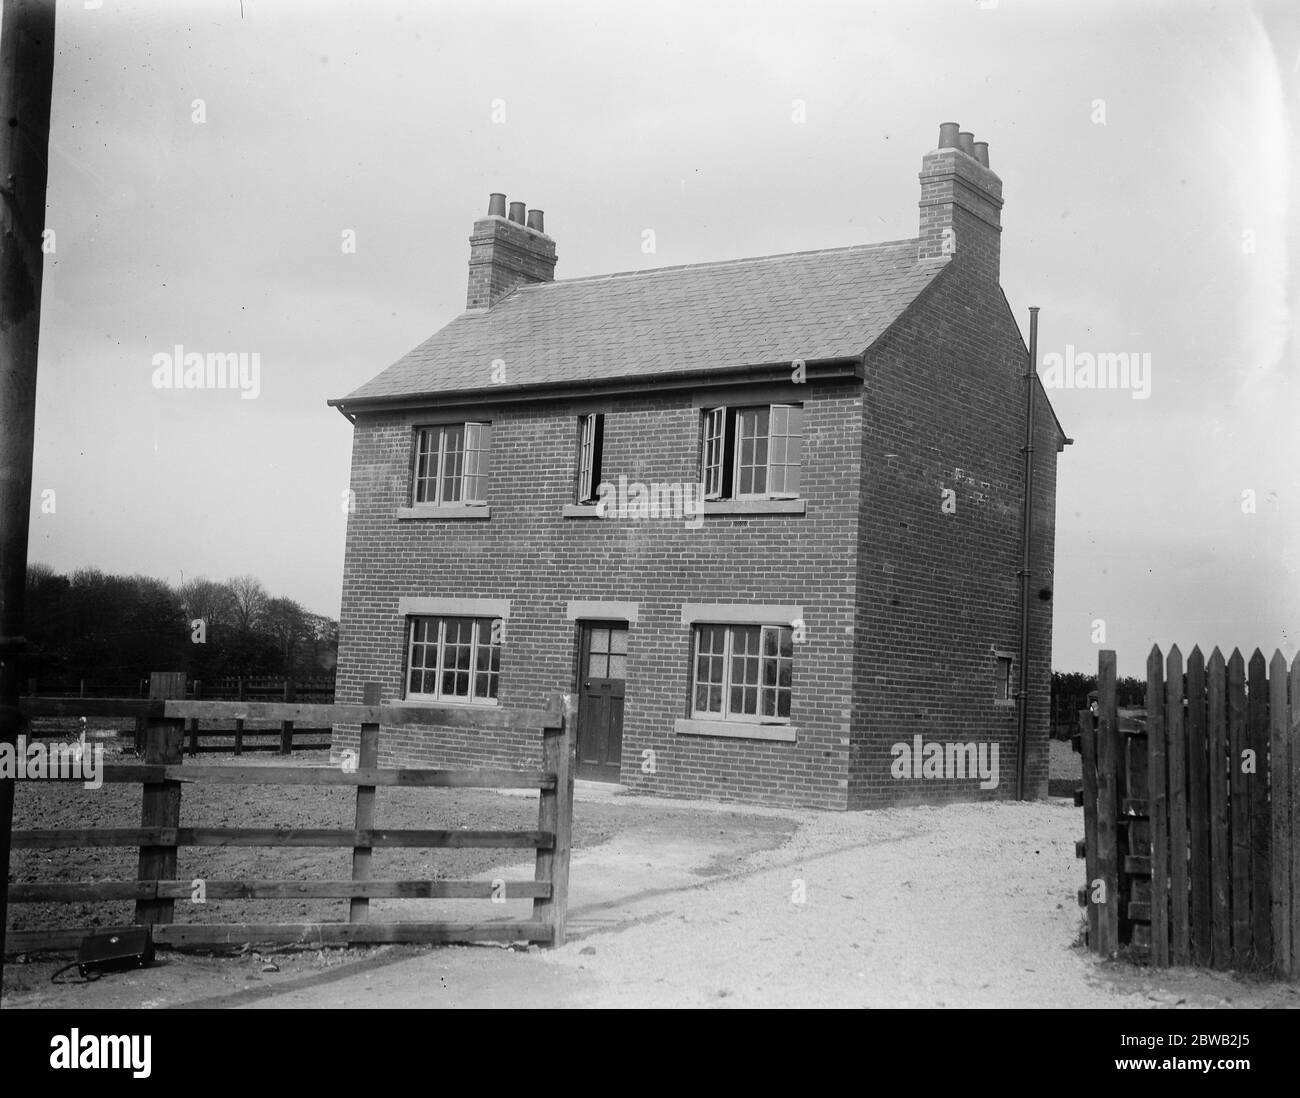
(939, 593)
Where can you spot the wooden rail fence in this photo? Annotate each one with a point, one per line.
(1192, 814)
(244, 689)
(163, 776)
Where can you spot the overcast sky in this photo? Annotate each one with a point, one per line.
(1148, 153)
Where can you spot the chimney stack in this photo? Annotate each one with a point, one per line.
(504, 252)
(961, 203)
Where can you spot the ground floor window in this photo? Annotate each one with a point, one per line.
(743, 672)
(454, 659)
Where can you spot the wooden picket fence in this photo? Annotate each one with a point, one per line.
(163, 775)
(1192, 814)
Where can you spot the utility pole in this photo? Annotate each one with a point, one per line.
(26, 76)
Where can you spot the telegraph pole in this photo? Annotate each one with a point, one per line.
(26, 75)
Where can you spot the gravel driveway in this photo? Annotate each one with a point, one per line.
(690, 904)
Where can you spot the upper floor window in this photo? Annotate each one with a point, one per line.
(454, 659)
(751, 453)
(591, 437)
(451, 463)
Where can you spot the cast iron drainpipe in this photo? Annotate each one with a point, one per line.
(1022, 695)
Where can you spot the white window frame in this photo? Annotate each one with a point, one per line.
(470, 484)
(713, 451)
(723, 421)
(726, 714)
(587, 425)
(476, 642)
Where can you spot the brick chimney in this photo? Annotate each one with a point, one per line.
(505, 252)
(961, 202)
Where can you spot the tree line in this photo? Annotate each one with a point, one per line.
(113, 630)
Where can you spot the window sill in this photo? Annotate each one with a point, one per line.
(736, 730)
(445, 511)
(580, 511)
(754, 506)
(418, 702)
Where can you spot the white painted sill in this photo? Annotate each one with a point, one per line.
(711, 507)
(445, 511)
(736, 730)
(441, 703)
(755, 506)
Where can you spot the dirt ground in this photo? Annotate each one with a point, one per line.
(692, 904)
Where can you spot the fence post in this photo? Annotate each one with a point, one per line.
(162, 800)
(286, 727)
(1176, 740)
(239, 721)
(1240, 809)
(1261, 825)
(1220, 767)
(194, 721)
(555, 814)
(1293, 737)
(367, 758)
(1158, 808)
(1108, 752)
(1281, 796)
(1198, 808)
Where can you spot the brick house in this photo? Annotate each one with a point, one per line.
(763, 516)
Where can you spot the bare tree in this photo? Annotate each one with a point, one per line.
(250, 600)
(211, 601)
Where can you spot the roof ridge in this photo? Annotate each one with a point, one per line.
(719, 263)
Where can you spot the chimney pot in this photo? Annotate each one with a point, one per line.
(961, 205)
(502, 258)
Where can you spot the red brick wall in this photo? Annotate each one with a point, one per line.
(528, 553)
(944, 409)
(503, 255)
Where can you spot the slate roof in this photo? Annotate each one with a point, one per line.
(812, 305)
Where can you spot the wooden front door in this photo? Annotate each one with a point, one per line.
(602, 673)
